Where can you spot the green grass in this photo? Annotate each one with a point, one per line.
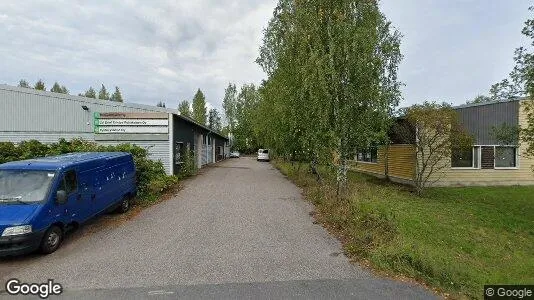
(453, 239)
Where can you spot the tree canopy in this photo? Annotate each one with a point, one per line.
(56, 88)
(23, 83)
(90, 93)
(117, 95)
(103, 94)
(39, 85)
(214, 120)
(199, 108)
(184, 108)
(332, 79)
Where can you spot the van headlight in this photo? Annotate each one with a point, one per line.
(17, 230)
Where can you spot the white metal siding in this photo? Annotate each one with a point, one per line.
(43, 137)
(157, 150)
(27, 114)
(30, 110)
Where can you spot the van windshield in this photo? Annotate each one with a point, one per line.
(23, 186)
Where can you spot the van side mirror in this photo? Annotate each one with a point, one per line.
(61, 197)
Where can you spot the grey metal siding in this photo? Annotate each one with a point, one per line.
(27, 114)
(43, 137)
(479, 120)
(29, 110)
(157, 150)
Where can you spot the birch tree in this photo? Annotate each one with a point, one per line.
(332, 73)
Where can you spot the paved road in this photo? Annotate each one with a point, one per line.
(237, 230)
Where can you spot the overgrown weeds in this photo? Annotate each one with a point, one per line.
(456, 240)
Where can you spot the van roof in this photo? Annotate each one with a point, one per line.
(62, 161)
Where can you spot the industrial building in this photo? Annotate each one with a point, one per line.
(28, 114)
(488, 162)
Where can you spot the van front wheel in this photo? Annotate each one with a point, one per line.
(51, 240)
(125, 205)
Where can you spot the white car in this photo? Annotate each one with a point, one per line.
(234, 154)
(263, 155)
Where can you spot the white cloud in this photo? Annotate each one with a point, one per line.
(153, 50)
(166, 49)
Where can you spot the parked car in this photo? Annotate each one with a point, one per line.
(40, 199)
(263, 155)
(234, 154)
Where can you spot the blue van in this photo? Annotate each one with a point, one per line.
(40, 199)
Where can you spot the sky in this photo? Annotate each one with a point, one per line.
(164, 50)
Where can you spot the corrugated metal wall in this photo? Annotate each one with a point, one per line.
(30, 110)
(44, 116)
(44, 137)
(480, 119)
(157, 150)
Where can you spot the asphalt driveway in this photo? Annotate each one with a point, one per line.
(240, 229)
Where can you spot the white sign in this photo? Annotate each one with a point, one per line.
(132, 129)
(133, 122)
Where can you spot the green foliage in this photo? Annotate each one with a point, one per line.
(184, 108)
(24, 84)
(229, 105)
(117, 95)
(521, 79)
(103, 94)
(8, 152)
(32, 148)
(214, 120)
(56, 88)
(160, 104)
(437, 132)
(188, 167)
(90, 93)
(332, 79)
(39, 85)
(199, 108)
(480, 99)
(246, 116)
(506, 134)
(454, 239)
(151, 176)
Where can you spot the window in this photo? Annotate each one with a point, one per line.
(465, 158)
(505, 157)
(70, 183)
(485, 157)
(370, 155)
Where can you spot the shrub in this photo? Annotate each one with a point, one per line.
(188, 167)
(8, 152)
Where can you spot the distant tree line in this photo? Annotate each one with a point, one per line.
(103, 94)
(198, 111)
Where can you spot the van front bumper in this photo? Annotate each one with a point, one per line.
(20, 244)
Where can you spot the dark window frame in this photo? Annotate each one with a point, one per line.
(515, 158)
(369, 156)
(474, 159)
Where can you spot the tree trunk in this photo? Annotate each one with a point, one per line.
(341, 176)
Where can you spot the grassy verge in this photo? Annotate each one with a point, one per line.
(453, 239)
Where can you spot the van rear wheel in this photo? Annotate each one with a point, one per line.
(125, 205)
(51, 240)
